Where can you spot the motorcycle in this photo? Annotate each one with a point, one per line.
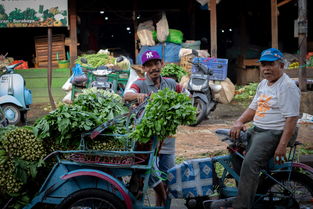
(15, 98)
(101, 77)
(202, 91)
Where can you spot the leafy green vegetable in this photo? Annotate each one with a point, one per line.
(245, 92)
(96, 60)
(165, 111)
(89, 109)
(173, 71)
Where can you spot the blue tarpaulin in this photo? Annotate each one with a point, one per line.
(171, 52)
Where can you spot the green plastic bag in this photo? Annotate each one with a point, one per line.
(175, 36)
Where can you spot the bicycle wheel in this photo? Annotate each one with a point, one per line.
(92, 199)
(299, 184)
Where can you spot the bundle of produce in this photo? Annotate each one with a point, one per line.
(245, 92)
(165, 111)
(173, 71)
(62, 128)
(21, 154)
(96, 60)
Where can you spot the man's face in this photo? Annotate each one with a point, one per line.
(153, 68)
(272, 70)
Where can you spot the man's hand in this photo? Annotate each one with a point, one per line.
(280, 154)
(235, 130)
(141, 97)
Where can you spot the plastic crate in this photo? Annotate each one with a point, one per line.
(216, 65)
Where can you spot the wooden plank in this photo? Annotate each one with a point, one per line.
(302, 42)
(251, 62)
(294, 73)
(283, 3)
(274, 24)
(213, 32)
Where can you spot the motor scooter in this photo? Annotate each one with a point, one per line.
(202, 91)
(15, 98)
(3, 121)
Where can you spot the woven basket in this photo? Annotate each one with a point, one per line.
(185, 62)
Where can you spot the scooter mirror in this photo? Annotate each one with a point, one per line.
(83, 60)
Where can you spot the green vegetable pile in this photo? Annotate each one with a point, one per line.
(96, 60)
(165, 111)
(62, 127)
(244, 93)
(173, 71)
(21, 155)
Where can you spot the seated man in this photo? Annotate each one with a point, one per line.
(274, 112)
(153, 81)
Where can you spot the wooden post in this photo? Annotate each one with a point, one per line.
(192, 15)
(274, 24)
(49, 73)
(135, 28)
(73, 31)
(302, 41)
(135, 34)
(213, 31)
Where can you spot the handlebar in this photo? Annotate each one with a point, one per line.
(10, 68)
(225, 136)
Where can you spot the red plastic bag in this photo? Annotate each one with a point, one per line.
(23, 66)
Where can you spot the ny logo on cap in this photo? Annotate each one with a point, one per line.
(149, 55)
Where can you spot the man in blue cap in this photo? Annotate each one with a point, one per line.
(274, 112)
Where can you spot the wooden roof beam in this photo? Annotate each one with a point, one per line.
(283, 3)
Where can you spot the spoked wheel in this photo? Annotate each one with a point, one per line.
(201, 110)
(299, 184)
(92, 199)
(12, 113)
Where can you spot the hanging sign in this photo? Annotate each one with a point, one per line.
(33, 13)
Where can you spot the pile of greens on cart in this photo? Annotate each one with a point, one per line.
(22, 149)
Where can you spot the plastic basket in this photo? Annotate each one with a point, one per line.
(216, 65)
(192, 45)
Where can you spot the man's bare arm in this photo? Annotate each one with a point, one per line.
(130, 96)
(239, 124)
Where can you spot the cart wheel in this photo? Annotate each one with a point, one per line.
(12, 113)
(92, 199)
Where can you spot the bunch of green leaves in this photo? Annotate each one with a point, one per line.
(96, 60)
(165, 111)
(104, 104)
(65, 124)
(246, 92)
(173, 71)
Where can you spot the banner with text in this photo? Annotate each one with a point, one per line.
(33, 13)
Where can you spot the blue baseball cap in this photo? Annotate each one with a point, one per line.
(271, 54)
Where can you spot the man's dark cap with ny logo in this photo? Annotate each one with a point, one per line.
(149, 55)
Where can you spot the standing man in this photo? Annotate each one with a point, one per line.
(153, 81)
(274, 112)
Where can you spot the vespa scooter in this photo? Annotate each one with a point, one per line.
(15, 98)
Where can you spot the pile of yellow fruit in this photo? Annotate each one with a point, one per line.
(294, 65)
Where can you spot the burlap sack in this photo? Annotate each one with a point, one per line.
(226, 94)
